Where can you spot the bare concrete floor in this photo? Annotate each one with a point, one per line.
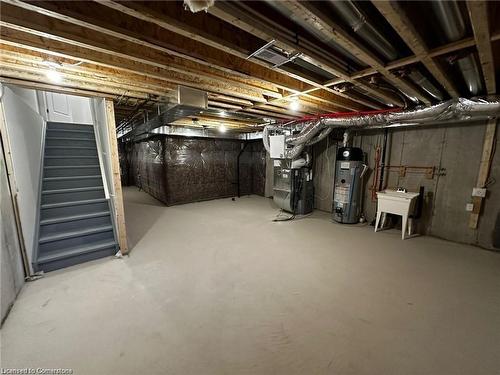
(217, 288)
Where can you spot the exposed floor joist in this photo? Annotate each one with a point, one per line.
(310, 14)
(240, 15)
(183, 51)
(146, 49)
(398, 19)
(478, 11)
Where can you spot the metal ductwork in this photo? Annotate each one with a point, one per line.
(425, 85)
(453, 26)
(448, 112)
(281, 8)
(355, 18)
(366, 31)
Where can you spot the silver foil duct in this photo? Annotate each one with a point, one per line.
(460, 109)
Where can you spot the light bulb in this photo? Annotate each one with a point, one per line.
(54, 76)
(294, 105)
(222, 128)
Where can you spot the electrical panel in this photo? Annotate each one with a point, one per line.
(277, 146)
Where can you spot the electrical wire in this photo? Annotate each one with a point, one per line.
(280, 217)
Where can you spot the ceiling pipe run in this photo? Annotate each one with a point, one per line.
(449, 112)
(453, 26)
(355, 18)
(281, 8)
(362, 27)
(425, 85)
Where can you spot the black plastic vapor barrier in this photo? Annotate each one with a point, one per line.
(178, 170)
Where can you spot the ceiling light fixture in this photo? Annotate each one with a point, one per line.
(222, 128)
(294, 104)
(54, 76)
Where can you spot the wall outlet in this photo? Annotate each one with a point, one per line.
(479, 192)
(469, 207)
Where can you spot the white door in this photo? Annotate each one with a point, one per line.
(58, 107)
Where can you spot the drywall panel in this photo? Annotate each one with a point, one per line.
(102, 138)
(67, 108)
(81, 109)
(24, 129)
(11, 263)
(27, 95)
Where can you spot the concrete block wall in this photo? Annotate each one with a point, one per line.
(457, 149)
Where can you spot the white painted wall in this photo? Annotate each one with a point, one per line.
(27, 95)
(11, 263)
(102, 137)
(24, 129)
(66, 108)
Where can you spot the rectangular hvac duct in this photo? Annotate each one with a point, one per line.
(192, 97)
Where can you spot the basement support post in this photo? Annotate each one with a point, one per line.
(117, 184)
(484, 170)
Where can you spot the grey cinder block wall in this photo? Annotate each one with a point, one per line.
(457, 149)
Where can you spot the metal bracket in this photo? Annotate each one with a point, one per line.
(291, 58)
(265, 46)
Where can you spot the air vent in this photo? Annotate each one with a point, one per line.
(272, 56)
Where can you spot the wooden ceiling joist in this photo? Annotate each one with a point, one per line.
(404, 27)
(164, 16)
(185, 51)
(12, 18)
(80, 16)
(139, 51)
(478, 12)
(230, 12)
(324, 24)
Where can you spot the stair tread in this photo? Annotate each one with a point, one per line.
(72, 190)
(71, 166)
(70, 139)
(71, 130)
(71, 157)
(75, 233)
(74, 251)
(63, 219)
(73, 147)
(73, 203)
(70, 177)
(68, 123)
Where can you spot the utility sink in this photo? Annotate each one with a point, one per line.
(397, 203)
(397, 195)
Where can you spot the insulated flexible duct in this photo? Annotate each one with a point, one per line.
(307, 133)
(455, 110)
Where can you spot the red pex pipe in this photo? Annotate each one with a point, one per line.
(342, 114)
